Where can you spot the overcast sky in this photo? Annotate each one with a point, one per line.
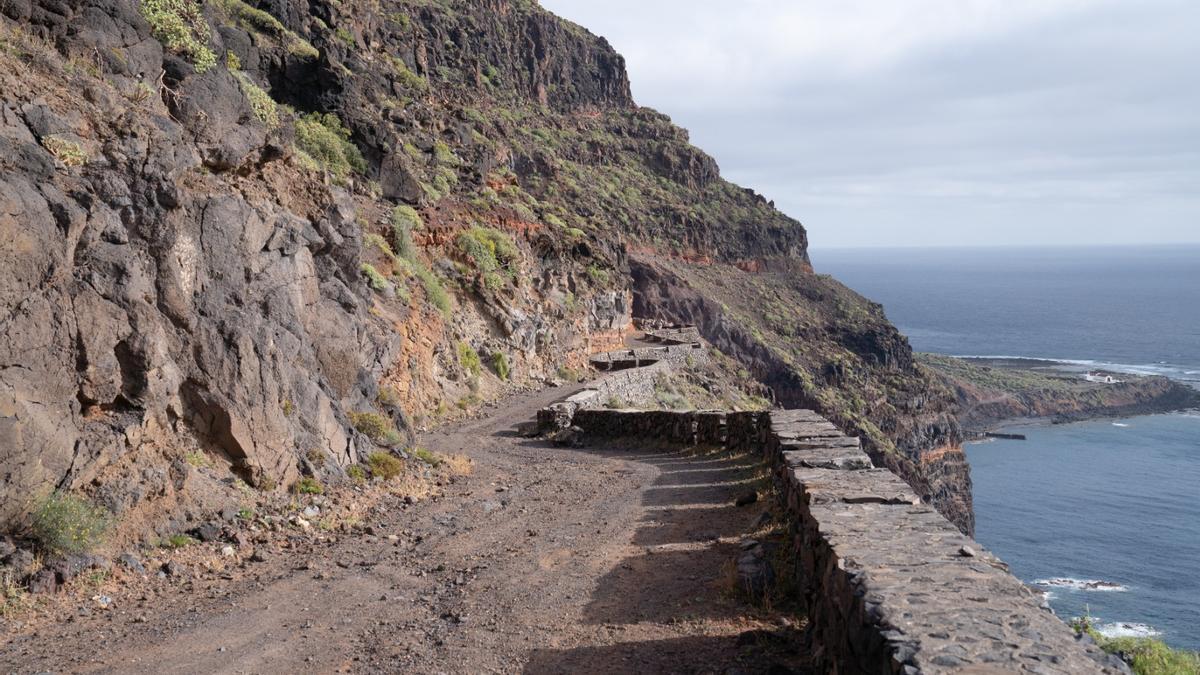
(934, 122)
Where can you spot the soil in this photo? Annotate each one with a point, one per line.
(542, 559)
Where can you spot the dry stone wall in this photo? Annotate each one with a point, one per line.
(888, 584)
(678, 354)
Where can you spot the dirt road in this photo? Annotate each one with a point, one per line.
(543, 560)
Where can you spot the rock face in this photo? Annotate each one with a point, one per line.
(232, 231)
(147, 307)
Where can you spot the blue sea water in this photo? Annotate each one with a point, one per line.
(1114, 501)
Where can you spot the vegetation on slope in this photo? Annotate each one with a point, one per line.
(1145, 656)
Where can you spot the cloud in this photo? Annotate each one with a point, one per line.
(934, 121)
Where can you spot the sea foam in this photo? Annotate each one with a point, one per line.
(1123, 629)
(1081, 584)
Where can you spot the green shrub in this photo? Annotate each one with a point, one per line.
(378, 428)
(324, 140)
(345, 36)
(245, 513)
(434, 290)
(491, 74)
(488, 249)
(357, 474)
(308, 486)
(377, 280)
(385, 465)
(468, 358)
(373, 240)
(500, 365)
(259, 21)
(264, 107)
(197, 459)
(405, 219)
(180, 26)
(407, 78)
(66, 151)
(598, 275)
(63, 523)
(443, 154)
(177, 541)
(426, 456)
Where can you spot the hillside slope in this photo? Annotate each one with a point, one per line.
(280, 236)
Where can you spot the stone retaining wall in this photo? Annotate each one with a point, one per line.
(690, 353)
(888, 584)
(674, 336)
(630, 385)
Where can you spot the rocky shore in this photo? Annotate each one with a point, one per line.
(993, 392)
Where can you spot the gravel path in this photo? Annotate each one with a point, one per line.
(543, 560)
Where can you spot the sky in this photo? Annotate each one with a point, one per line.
(934, 122)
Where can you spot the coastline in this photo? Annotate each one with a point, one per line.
(994, 393)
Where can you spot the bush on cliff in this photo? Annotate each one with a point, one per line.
(500, 365)
(180, 26)
(64, 523)
(488, 249)
(468, 358)
(376, 427)
(384, 465)
(326, 141)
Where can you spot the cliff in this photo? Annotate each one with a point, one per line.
(282, 236)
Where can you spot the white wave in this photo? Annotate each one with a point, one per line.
(1119, 424)
(1124, 629)
(1081, 584)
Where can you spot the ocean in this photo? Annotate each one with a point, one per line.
(1104, 516)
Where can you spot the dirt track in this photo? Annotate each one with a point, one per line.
(543, 560)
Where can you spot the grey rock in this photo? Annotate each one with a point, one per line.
(131, 562)
(208, 532)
